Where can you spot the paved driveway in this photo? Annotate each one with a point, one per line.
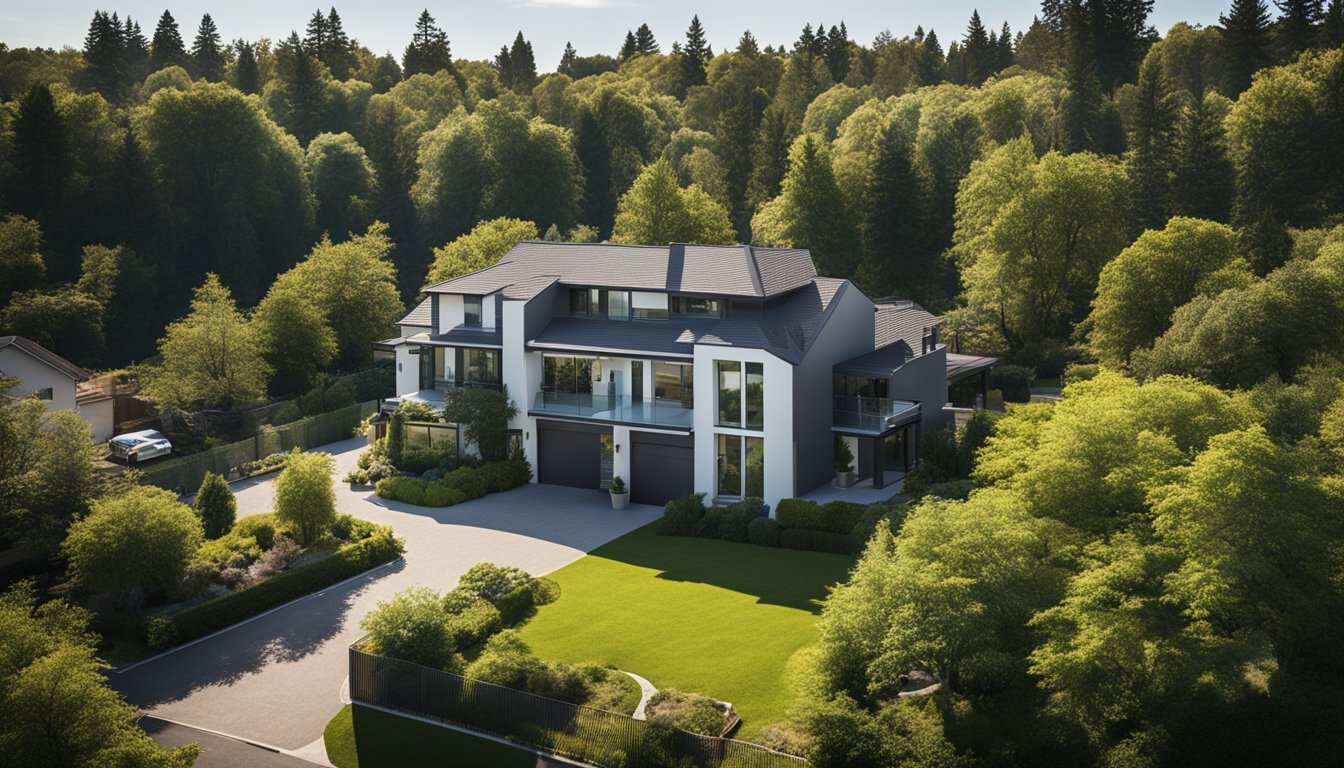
(277, 680)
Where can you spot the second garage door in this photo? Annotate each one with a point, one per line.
(568, 455)
(662, 467)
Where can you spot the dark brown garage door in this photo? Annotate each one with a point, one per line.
(662, 467)
(568, 455)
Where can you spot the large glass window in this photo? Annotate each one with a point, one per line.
(755, 410)
(733, 409)
(618, 305)
(568, 375)
(730, 393)
(674, 381)
(480, 366)
(730, 465)
(691, 305)
(646, 305)
(755, 474)
(738, 477)
(471, 308)
(578, 301)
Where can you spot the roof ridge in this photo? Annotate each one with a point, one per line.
(754, 269)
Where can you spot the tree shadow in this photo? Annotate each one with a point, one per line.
(288, 634)
(785, 577)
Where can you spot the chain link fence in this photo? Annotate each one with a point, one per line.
(184, 475)
(591, 735)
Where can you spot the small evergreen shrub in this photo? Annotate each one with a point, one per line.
(735, 519)
(468, 481)
(834, 516)
(681, 516)
(708, 525)
(215, 505)
(473, 625)
(763, 531)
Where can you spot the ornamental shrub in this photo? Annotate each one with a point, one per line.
(411, 626)
(681, 516)
(139, 541)
(215, 505)
(735, 519)
(473, 625)
(304, 497)
(763, 531)
(468, 480)
(692, 712)
(835, 516)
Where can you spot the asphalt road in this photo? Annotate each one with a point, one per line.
(278, 679)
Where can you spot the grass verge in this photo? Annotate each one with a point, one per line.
(359, 737)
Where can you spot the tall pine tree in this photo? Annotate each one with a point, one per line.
(979, 53)
(1246, 40)
(167, 49)
(524, 64)
(206, 53)
(246, 76)
(1295, 31)
(629, 48)
(1203, 178)
(428, 51)
(645, 44)
(695, 55)
(1149, 162)
(896, 257)
(104, 56)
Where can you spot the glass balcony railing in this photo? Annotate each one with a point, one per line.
(871, 414)
(667, 413)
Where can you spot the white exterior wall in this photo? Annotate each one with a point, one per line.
(451, 313)
(778, 433)
(408, 370)
(99, 414)
(33, 374)
(488, 304)
(520, 371)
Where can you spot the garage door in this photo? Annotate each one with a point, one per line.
(662, 467)
(568, 456)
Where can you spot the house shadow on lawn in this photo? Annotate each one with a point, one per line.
(289, 634)
(786, 577)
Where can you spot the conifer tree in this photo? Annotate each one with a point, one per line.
(979, 53)
(630, 48)
(695, 56)
(1295, 30)
(339, 54)
(896, 261)
(1004, 53)
(246, 76)
(206, 53)
(504, 66)
(1246, 40)
(1332, 25)
(645, 44)
(428, 51)
(104, 56)
(1149, 162)
(837, 53)
(137, 50)
(567, 60)
(1202, 175)
(167, 48)
(524, 65)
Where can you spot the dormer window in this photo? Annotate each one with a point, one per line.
(471, 308)
(692, 305)
(646, 305)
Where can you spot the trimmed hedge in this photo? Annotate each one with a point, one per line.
(816, 541)
(735, 519)
(764, 532)
(833, 517)
(350, 560)
(462, 484)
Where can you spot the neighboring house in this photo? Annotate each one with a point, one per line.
(727, 370)
(57, 381)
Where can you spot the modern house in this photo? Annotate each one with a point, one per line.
(728, 370)
(56, 381)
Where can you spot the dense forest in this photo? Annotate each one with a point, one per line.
(1146, 573)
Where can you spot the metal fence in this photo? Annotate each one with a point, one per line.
(185, 474)
(591, 735)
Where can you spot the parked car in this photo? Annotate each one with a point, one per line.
(135, 447)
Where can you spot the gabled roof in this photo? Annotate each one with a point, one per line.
(41, 353)
(786, 329)
(900, 320)
(421, 316)
(716, 270)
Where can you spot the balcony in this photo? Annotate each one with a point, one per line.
(657, 412)
(871, 415)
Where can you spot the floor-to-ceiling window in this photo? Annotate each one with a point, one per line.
(480, 366)
(568, 375)
(740, 465)
(674, 381)
(733, 409)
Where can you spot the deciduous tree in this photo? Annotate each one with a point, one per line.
(484, 245)
(658, 211)
(304, 497)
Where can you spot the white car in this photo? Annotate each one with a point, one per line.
(135, 447)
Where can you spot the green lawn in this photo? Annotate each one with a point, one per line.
(368, 738)
(703, 615)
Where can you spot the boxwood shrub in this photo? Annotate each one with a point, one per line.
(734, 519)
(350, 560)
(763, 531)
(681, 516)
(834, 516)
(816, 541)
(462, 484)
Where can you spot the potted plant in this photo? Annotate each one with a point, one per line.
(844, 463)
(620, 495)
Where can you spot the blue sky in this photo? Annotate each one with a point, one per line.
(478, 28)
